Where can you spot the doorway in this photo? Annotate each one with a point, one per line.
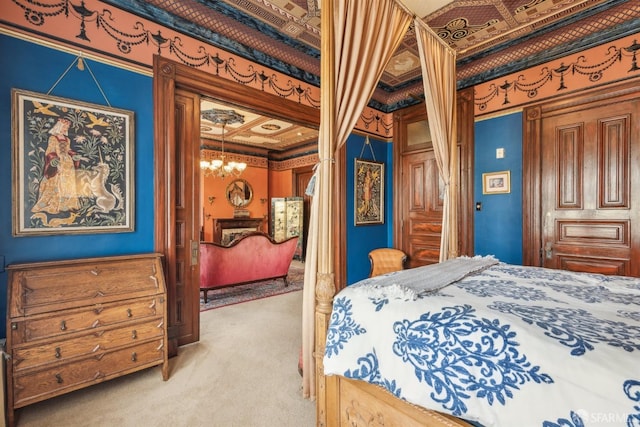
(176, 158)
(418, 208)
(301, 179)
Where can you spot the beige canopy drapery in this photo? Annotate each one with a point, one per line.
(438, 63)
(358, 39)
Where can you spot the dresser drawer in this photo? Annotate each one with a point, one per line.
(38, 355)
(39, 290)
(58, 324)
(55, 380)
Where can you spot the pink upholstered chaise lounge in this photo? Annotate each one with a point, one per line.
(251, 258)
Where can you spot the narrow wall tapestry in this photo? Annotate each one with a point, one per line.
(369, 192)
(72, 166)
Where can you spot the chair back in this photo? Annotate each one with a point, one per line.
(386, 260)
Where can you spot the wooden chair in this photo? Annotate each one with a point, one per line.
(386, 260)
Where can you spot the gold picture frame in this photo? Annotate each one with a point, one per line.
(72, 166)
(368, 192)
(239, 193)
(496, 182)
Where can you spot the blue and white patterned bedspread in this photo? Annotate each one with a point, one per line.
(509, 346)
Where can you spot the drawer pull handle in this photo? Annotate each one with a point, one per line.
(129, 314)
(134, 334)
(63, 325)
(95, 271)
(59, 379)
(134, 357)
(58, 355)
(14, 326)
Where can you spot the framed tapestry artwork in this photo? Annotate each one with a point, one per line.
(72, 166)
(496, 182)
(368, 192)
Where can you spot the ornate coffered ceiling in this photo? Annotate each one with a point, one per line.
(254, 129)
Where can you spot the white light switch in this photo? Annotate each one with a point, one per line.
(499, 153)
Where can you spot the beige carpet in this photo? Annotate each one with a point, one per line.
(242, 373)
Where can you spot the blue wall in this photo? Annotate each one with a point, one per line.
(37, 68)
(498, 226)
(363, 238)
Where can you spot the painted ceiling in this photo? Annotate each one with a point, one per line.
(253, 129)
(491, 37)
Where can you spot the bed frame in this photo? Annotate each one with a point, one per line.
(350, 403)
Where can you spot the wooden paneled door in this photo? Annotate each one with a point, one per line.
(419, 191)
(589, 213)
(187, 222)
(590, 164)
(422, 191)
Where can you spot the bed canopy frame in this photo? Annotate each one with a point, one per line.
(346, 54)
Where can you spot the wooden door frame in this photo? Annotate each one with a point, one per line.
(168, 76)
(532, 156)
(465, 137)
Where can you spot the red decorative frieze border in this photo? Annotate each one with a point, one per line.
(119, 36)
(590, 68)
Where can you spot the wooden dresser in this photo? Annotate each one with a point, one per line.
(75, 323)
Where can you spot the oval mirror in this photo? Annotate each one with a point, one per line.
(239, 193)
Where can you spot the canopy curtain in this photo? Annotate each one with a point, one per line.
(358, 41)
(438, 63)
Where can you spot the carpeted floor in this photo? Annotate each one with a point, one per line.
(241, 293)
(242, 373)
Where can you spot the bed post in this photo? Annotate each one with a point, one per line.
(327, 393)
(326, 387)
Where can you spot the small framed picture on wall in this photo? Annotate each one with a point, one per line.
(496, 182)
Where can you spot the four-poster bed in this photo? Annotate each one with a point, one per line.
(358, 37)
(497, 344)
(351, 65)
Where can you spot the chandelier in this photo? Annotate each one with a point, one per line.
(220, 167)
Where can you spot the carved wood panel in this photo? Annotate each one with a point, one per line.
(613, 158)
(570, 157)
(592, 265)
(416, 184)
(367, 405)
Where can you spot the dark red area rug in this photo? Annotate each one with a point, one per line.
(237, 294)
